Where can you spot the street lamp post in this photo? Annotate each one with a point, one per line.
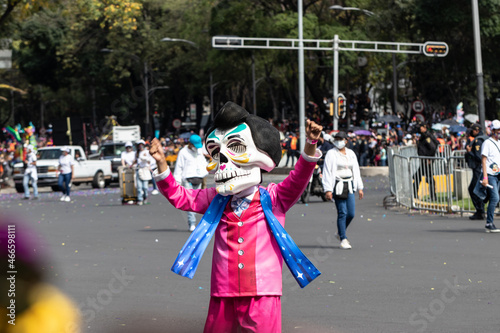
(337, 7)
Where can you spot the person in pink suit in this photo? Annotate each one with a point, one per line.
(246, 219)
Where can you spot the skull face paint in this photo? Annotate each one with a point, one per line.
(236, 159)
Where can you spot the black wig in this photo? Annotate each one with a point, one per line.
(265, 136)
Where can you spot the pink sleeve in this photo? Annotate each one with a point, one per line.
(188, 200)
(289, 190)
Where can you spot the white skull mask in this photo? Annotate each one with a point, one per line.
(236, 160)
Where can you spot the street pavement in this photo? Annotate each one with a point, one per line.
(408, 271)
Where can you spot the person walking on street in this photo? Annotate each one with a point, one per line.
(190, 169)
(143, 176)
(153, 166)
(291, 149)
(323, 145)
(490, 151)
(128, 156)
(473, 158)
(363, 151)
(30, 173)
(426, 146)
(341, 179)
(66, 169)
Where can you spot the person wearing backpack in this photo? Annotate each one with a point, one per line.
(473, 158)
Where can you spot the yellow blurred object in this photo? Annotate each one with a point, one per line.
(50, 312)
(440, 182)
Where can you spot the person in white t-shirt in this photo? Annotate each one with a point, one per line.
(30, 173)
(153, 166)
(143, 176)
(66, 169)
(128, 156)
(190, 169)
(490, 152)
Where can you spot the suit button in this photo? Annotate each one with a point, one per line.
(241, 252)
(240, 224)
(240, 265)
(240, 240)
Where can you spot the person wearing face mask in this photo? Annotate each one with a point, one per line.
(190, 169)
(490, 152)
(341, 179)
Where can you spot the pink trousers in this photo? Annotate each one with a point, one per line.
(259, 314)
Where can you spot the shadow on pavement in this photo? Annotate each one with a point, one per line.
(475, 230)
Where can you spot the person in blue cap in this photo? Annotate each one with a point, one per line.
(190, 169)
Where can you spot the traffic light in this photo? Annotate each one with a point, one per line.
(435, 49)
(340, 106)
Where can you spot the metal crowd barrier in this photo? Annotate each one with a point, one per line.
(439, 183)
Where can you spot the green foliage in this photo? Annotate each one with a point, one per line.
(58, 54)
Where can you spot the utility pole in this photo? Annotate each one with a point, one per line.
(479, 64)
(302, 98)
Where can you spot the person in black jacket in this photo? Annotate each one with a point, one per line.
(473, 158)
(324, 146)
(427, 146)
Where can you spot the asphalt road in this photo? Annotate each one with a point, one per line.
(407, 271)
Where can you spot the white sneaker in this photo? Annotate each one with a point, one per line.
(63, 198)
(67, 199)
(140, 203)
(192, 227)
(155, 192)
(345, 244)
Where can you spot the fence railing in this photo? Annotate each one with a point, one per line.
(440, 183)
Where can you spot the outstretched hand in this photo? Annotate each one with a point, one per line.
(156, 151)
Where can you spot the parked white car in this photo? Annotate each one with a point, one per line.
(96, 172)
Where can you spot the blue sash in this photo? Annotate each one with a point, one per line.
(187, 261)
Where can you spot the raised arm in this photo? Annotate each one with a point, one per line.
(181, 198)
(156, 151)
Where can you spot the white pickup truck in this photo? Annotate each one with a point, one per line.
(97, 172)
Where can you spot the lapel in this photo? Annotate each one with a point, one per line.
(232, 217)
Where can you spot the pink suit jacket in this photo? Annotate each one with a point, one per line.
(246, 259)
